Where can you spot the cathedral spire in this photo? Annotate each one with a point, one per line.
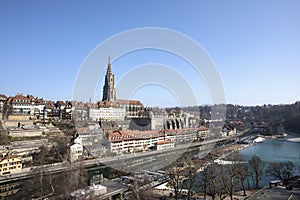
(109, 65)
(109, 92)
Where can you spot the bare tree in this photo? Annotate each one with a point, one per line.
(3, 135)
(140, 193)
(3, 139)
(211, 181)
(135, 190)
(256, 166)
(40, 160)
(242, 174)
(190, 174)
(62, 183)
(228, 174)
(234, 174)
(69, 183)
(48, 182)
(204, 181)
(281, 170)
(41, 181)
(175, 179)
(241, 171)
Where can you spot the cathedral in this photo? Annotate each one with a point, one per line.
(133, 108)
(112, 113)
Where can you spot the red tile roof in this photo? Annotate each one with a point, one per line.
(132, 134)
(130, 102)
(8, 157)
(40, 101)
(78, 104)
(19, 97)
(93, 105)
(2, 96)
(107, 104)
(135, 134)
(83, 130)
(163, 142)
(202, 128)
(61, 103)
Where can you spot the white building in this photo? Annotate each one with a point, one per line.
(123, 141)
(107, 113)
(165, 144)
(20, 104)
(76, 152)
(37, 107)
(10, 164)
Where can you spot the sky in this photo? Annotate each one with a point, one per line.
(254, 45)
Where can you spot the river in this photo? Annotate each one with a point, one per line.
(275, 150)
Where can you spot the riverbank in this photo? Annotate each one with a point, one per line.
(226, 151)
(293, 139)
(221, 154)
(293, 136)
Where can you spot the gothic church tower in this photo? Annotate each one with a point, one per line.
(109, 92)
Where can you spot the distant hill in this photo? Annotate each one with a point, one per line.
(293, 123)
(286, 114)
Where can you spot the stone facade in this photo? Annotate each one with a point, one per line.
(109, 92)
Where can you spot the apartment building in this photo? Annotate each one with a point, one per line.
(126, 141)
(10, 164)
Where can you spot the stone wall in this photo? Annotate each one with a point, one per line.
(24, 133)
(14, 123)
(18, 117)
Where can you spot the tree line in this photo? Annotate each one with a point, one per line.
(219, 181)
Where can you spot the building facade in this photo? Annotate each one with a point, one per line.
(76, 152)
(10, 164)
(165, 144)
(107, 114)
(126, 141)
(133, 108)
(19, 105)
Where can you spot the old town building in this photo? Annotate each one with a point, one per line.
(10, 164)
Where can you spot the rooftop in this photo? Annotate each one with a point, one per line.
(8, 157)
(163, 142)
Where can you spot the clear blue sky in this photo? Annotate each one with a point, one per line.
(254, 44)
